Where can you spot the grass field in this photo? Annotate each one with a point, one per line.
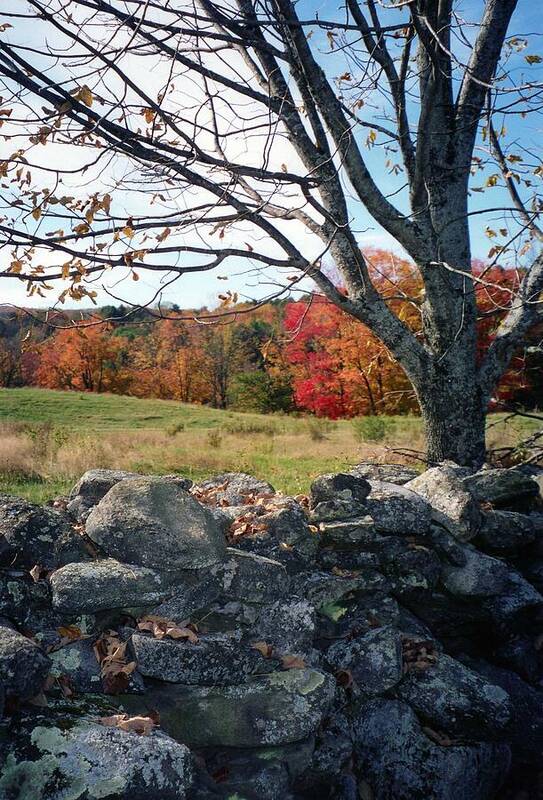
(49, 438)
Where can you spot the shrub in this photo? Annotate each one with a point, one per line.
(251, 426)
(214, 438)
(372, 429)
(319, 427)
(176, 428)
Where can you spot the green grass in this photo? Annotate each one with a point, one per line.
(49, 438)
(104, 412)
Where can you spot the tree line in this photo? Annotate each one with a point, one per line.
(305, 355)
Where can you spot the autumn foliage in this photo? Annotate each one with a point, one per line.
(305, 354)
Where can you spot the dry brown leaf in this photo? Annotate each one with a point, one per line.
(264, 648)
(140, 725)
(71, 632)
(439, 738)
(39, 700)
(162, 628)
(293, 662)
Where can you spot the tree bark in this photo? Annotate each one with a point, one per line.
(453, 409)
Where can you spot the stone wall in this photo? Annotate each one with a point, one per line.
(380, 639)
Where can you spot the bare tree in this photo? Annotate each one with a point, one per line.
(240, 132)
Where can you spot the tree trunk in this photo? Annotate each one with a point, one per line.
(454, 413)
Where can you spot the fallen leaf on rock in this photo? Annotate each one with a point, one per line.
(49, 682)
(209, 496)
(115, 671)
(264, 648)
(221, 775)
(140, 725)
(292, 662)
(35, 572)
(71, 632)
(66, 686)
(39, 700)
(344, 573)
(418, 654)
(162, 628)
(344, 678)
(246, 525)
(439, 738)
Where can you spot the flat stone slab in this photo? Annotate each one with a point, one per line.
(104, 585)
(480, 576)
(215, 660)
(274, 709)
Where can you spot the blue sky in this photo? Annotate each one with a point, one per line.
(200, 289)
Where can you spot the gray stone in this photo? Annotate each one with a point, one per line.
(522, 655)
(215, 660)
(190, 600)
(446, 546)
(518, 600)
(274, 709)
(348, 534)
(374, 660)
(358, 615)
(481, 576)
(106, 584)
(457, 511)
(525, 731)
(250, 577)
(334, 746)
(501, 487)
(337, 510)
(387, 473)
(23, 665)
(233, 488)
(155, 524)
(31, 534)
(504, 532)
(250, 775)
(397, 509)
(288, 626)
(323, 588)
(260, 773)
(532, 569)
(399, 762)
(21, 598)
(414, 571)
(338, 486)
(69, 759)
(92, 486)
(456, 699)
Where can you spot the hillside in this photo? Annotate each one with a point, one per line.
(50, 437)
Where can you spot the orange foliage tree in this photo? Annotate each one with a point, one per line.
(84, 359)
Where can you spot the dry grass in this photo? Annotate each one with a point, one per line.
(44, 451)
(290, 459)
